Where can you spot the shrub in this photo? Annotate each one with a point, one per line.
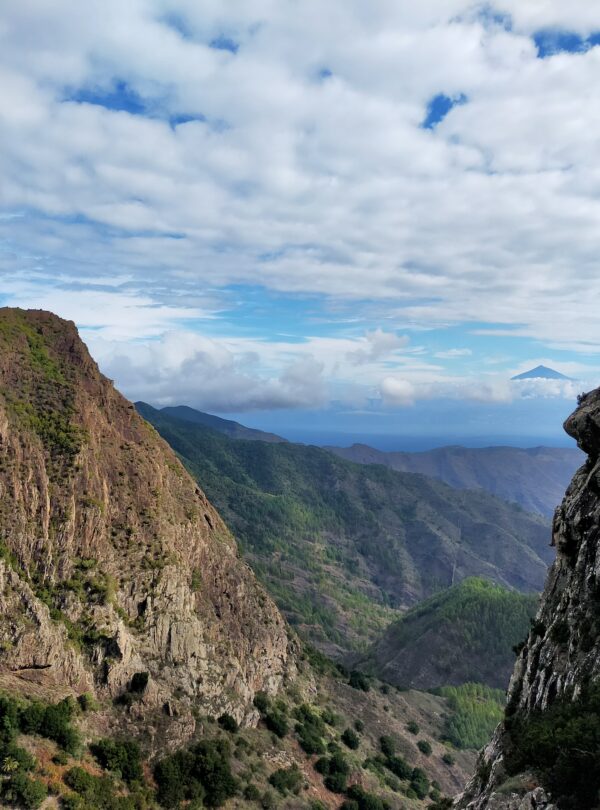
(424, 747)
(413, 727)
(262, 702)
(329, 717)
(120, 756)
(336, 782)
(228, 723)
(310, 730)
(87, 702)
(24, 791)
(448, 759)
(202, 772)
(351, 739)
(359, 725)
(363, 800)
(251, 793)
(276, 721)
(387, 745)
(399, 767)
(358, 680)
(287, 780)
(419, 783)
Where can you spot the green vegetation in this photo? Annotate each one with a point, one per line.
(465, 633)
(122, 757)
(476, 710)
(332, 540)
(48, 720)
(310, 729)
(351, 739)
(561, 744)
(424, 747)
(41, 395)
(201, 773)
(287, 780)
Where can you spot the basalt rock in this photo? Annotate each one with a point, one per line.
(117, 576)
(561, 657)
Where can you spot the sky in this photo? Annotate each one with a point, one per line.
(358, 217)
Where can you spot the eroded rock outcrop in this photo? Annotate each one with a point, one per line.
(560, 662)
(113, 563)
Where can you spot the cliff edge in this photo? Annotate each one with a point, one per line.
(546, 753)
(117, 576)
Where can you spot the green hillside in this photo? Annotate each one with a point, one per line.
(343, 547)
(465, 633)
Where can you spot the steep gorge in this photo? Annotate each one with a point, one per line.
(113, 564)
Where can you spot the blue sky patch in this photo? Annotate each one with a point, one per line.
(439, 107)
(553, 41)
(223, 43)
(119, 97)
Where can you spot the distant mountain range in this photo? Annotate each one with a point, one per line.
(535, 478)
(465, 633)
(541, 373)
(343, 547)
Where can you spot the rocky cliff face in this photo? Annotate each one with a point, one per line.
(560, 662)
(116, 574)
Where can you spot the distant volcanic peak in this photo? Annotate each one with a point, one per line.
(541, 373)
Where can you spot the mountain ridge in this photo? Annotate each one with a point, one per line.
(535, 478)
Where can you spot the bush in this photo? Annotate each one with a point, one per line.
(87, 702)
(424, 747)
(387, 745)
(251, 793)
(202, 772)
(122, 757)
(262, 702)
(336, 782)
(351, 739)
(363, 800)
(24, 791)
(358, 680)
(448, 759)
(228, 723)
(419, 783)
(276, 721)
(359, 725)
(310, 730)
(399, 767)
(329, 717)
(413, 727)
(287, 780)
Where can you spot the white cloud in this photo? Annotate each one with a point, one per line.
(375, 345)
(452, 354)
(301, 183)
(397, 391)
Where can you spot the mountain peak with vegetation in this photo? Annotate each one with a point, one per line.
(546, 751)
(117, 575)
(227, 426)
(465, 633)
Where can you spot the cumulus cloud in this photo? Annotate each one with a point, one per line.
(294, 159)
(375, 345)
(396, 391)
(182, 368)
